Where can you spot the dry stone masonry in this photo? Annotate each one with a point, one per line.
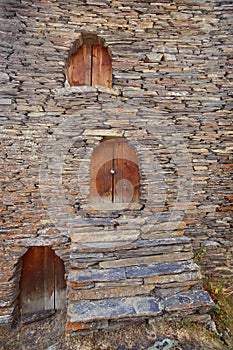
(171, 101)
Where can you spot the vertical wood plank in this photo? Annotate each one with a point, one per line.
(100, 173)
(32, 281)
(80, 66)
(127, 178)
(48, 277)
(87, 57)
(118, 166)
(101, 67)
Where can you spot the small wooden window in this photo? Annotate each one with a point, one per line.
(114, 173)
(90, 64)
(42, 285)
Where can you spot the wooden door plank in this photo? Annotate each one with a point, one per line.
(79, 67)
(87, 55)
(32, 282)
(118, 166)
(101, 67)
(100, 173)
(48, 277)
(127, 179)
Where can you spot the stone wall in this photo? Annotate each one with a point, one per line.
(171, 100)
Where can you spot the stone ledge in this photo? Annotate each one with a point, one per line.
(187, 301)
(157, 242)
(69, 90)
(97, 207)
(160, 269)
(5, 101)
(86, 311)
(121, 273)
(97, 275)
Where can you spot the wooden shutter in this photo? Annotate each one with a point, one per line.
(100, 173)
(114, 173)
(79, 67)
(101, 67)
(90, 65)
(126, 173)
(42, 280)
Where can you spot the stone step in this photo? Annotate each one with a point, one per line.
(114, 308)
(169, 268)
(87, 311)
(122, 273)
(187, 301)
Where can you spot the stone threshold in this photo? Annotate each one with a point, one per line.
(67, 90)
(98, 207)
(36, 316)
(82, 313)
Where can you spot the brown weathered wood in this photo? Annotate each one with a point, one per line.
(79, 67)
(100, 175)
(122, 186)
(126, 179)
(101, 66)
(32, 281)
(47, 266)
(42, 281)
(90, 65)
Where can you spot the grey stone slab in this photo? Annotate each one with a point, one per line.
(5, 101)
(159, 269)
(163, 241)
(97, 275)
(85, 311)
(189, 300)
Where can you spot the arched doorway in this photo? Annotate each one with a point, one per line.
(89, 62)
(42, 284)
(114, 173)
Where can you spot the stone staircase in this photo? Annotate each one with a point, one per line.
(144, 279)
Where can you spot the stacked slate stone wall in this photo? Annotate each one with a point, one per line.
(171, 100)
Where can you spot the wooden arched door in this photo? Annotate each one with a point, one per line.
(114, 173)
(42, 285)
(91, 65)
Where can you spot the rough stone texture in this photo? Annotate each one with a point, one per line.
(115, 308)
(171, 99)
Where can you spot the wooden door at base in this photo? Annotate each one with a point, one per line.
(42, 281)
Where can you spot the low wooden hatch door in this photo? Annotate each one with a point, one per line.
(42, 285)
(114, 173)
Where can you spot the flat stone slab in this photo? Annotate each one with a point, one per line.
(121, 273)
(163, 241)
(33, 317)
(189, 300)
(160, 269)
(5, 101)
(86, 311)
(97, 275)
